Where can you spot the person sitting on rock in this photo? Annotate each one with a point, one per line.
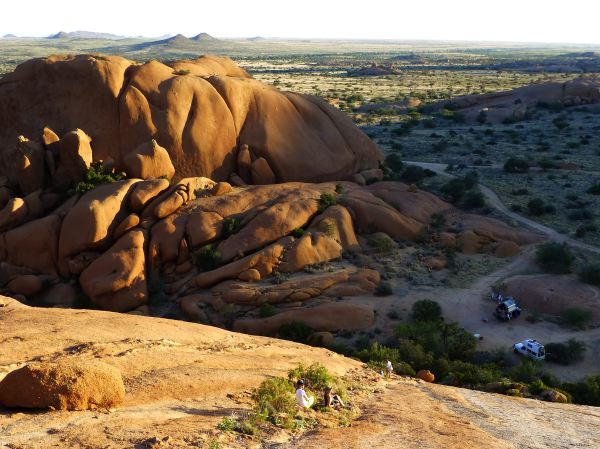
(302, 399)
(332, 400)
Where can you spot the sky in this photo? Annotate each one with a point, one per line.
(573, 21)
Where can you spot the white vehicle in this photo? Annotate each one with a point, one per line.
(530, 348)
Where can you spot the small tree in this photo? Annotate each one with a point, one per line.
(426, 310)
(576, 317)
(326, 200)
(473, 200)
(590, 274)
(394, 162)
(565, 353)
(594, 189)
(295, 331)
(536, 207)
(555, 258)
(413, 174)
(516, 165)
(454, 189)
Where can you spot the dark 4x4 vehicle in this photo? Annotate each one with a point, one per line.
(507, 310)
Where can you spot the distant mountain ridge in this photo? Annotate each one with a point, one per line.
(84, 35)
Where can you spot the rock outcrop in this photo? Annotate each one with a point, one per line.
(199, 111)
(513, 105)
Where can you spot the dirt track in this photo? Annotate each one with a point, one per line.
(494, 201)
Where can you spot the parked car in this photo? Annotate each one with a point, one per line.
(507, 310)
(530, 348)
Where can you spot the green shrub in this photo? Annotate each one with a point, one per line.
(576, 318)
(181, 72)
(339, 188)
(547, 164)
(414, 354)
(378, 353)
(267, 310)
(208, 258)
(437, 221)
(295, 331)
(555, 258)
(565, 353)
(316, 377)
(587, 392)
(227, 424)
(394, 162)
(457, 343)
(384, 289)
(470, 179)
(298, 232)
(590, 273)
(580, 214)
(465, 373)
(454, 189)
(473, 200)
(381, 242)
(426, 310)
(274, 400)
(413, 174)
(516, 165)
(96, 175)
(594, 189)
(326, 200)
(527, 371)
(231, 225)
(536, 206)
(404, 369)
(537, 386)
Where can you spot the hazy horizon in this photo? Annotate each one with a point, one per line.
(513, 21)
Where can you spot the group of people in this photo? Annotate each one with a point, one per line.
(329, 398)
(305, 401)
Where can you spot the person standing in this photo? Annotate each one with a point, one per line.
(389, 369)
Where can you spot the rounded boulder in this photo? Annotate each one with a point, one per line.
(426, 375)
(63, 385)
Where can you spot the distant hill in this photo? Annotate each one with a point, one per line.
(179, 39)
(9, 36)
(256, 39)
(84, 35)
(180, 43)
(205, 37)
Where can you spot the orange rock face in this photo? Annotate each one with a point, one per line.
(199, 118)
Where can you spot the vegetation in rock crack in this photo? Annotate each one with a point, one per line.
(96, 175)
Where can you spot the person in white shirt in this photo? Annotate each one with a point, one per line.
(389, 368)
(302, 399)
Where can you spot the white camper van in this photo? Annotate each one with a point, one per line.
(531, 348)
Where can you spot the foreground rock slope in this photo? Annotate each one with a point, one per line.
(181, 379)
